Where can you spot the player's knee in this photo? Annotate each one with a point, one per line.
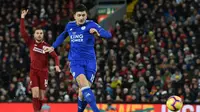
(35, 92)
(35, 95)
(41, 97)
(42, 94)
(82, 81)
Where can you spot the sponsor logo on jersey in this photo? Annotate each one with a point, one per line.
(36, 49)
(76, 38)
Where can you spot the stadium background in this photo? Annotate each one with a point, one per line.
(154, 53)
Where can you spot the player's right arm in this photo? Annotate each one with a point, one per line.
(23, 32)
(60, 39)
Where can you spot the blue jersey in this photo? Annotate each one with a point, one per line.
(81, 40)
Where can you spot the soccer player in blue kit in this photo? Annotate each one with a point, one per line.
(82, 53)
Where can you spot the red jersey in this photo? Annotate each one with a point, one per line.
(39, 59)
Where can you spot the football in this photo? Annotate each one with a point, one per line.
(174, 103)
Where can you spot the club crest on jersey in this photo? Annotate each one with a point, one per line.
(83, 28)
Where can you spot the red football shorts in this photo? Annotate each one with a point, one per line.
(38, 79)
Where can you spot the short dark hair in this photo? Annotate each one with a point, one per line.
(38, 28)
(80, 8)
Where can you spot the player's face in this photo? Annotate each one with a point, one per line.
(80, 17)
(39, 35)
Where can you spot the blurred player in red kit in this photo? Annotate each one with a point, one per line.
(39, 63)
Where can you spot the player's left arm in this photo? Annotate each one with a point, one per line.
(99, 31)
(56, 59)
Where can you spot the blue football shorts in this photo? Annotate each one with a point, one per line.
(86, 67)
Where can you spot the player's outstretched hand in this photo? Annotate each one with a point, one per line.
(57, 69)
(94, 31)
(24, 13)
(48, 49)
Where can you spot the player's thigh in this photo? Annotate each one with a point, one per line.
(91, 65)
(82, 81)
(43, 80)
(34, 79)
(35, 92)
(34, 83)
(77, 68)
(90, 75)
(91, 71)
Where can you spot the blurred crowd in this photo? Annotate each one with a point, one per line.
(153, 54)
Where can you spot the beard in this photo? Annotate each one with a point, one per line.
(39, 39)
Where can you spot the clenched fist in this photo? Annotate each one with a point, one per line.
(94, 31)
